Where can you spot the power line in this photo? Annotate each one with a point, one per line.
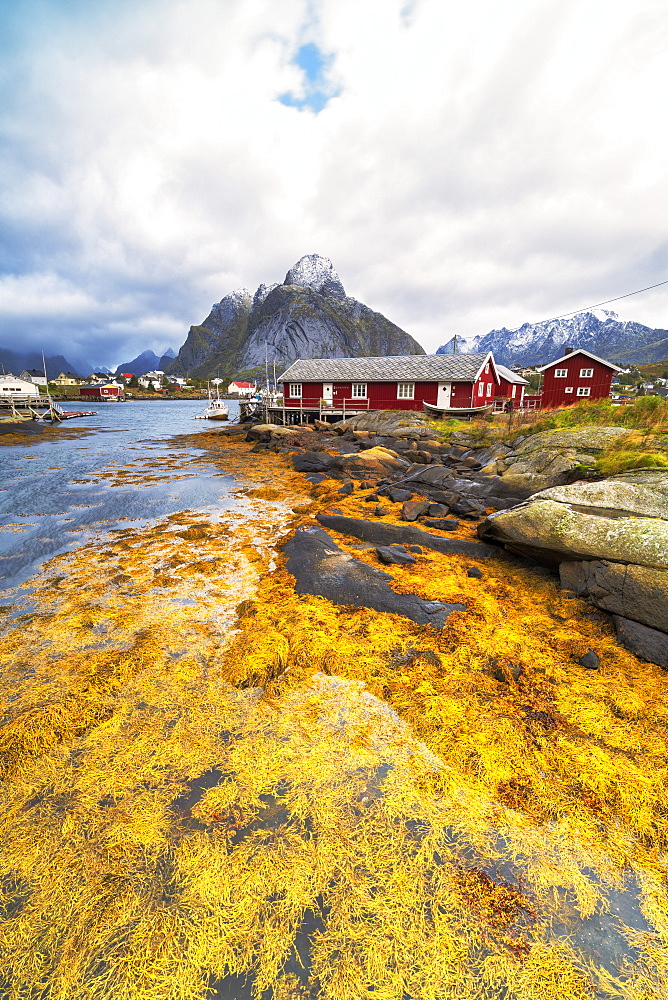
(597, 304)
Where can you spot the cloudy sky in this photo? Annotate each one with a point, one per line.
(465, 165)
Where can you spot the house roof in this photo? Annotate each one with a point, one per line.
(411, 367)
(580, 350)
(510, 376)
(243, 385)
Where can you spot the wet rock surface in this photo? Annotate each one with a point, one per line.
(322, 569)
(647, 643)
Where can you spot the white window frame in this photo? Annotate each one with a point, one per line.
(584, 390)
(405, 390)
(489, 388)
(561, 372)
(568, 388)
(586, 373)
(481, 388)
(512, 394)
(295, 390)
(358, 390)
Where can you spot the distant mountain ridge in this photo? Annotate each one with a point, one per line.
(16, 362)
(599, 331)
(309, 315)
(147, 361)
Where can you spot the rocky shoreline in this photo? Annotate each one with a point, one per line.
(608, 539)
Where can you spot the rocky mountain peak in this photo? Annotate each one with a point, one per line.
(316, 272)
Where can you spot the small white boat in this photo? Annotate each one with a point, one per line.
(458, 411)
(217, 408)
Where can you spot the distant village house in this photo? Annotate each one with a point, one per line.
(32, 375)
(241, 388)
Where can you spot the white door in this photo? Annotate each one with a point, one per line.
(327, 392)
(443, 399)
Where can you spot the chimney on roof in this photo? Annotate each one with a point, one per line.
(568, 350)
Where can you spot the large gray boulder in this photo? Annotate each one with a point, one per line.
(610, 541)
(389, 423)
(542, 460)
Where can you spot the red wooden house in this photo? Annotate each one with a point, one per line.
(577, 376)
(108, 391)
(395, 383)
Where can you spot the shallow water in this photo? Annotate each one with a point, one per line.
(55, 489)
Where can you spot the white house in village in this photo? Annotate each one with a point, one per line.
(151, 380)
(241, 388)
(33, 375)
(12, 387)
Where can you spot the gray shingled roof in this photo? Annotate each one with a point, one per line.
(510, 376)
(404, 368)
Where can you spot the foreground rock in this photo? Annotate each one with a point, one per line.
(322, 569)
(610, 542)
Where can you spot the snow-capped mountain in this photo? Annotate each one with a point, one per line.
(600, 331)
(309, 315)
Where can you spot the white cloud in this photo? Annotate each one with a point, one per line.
(482, 164)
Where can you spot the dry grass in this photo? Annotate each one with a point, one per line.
(188, 792)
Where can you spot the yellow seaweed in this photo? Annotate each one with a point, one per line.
(207, 775)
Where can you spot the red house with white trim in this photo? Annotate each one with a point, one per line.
(575, 377)
(448, 381)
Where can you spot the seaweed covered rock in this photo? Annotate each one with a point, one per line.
(375, 463)
(321, 568)
(610, 541)
(379, 533)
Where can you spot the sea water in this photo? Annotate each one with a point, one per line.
(53, 488)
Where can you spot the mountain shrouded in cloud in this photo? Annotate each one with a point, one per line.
(147, 361)
(309, 315)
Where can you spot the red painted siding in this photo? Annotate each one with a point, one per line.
(383, 395)
(96, 390)
(489, 385)
(505, 390)
(554, 389)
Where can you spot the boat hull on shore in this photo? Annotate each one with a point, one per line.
(458, 411)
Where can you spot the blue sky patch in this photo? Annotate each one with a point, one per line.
(317, 89)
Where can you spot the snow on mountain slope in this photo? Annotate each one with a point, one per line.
(600, 331)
